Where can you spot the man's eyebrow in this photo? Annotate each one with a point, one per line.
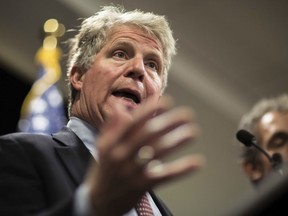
(121, 44)
(153, 53)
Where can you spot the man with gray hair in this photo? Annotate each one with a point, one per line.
(268, 122)
(108, 159)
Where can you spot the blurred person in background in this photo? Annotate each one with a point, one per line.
(268, 122)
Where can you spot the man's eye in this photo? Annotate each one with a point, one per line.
(119, 54)
(278, 143)
(153, 66)
(280, 140)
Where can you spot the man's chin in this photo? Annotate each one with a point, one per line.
(125, 110)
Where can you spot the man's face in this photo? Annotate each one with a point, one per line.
(126, 71)
(272, 133)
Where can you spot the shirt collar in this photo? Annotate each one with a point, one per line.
(85, 132)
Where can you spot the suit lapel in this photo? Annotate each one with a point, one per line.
(76, 157)
(73, 153)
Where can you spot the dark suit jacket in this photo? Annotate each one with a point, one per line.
(39, 173)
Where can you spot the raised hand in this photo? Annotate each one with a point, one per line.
(130, 153)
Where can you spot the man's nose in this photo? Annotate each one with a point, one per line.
(136, 69)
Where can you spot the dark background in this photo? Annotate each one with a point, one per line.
(13, 91)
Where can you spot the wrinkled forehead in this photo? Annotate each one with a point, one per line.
(131, 30)
(273, 121)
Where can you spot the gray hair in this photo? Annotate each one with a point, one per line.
(94, 30)
(250, 120)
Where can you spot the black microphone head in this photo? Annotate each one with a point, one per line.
(277, 158)
(245, 137)
(249, 139)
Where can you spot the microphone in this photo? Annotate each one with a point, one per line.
(249, 140)
(277, 158)
(277, 161)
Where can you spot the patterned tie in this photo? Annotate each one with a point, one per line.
(143, 207)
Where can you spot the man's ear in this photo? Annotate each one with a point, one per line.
(76, 77)
(253, 171)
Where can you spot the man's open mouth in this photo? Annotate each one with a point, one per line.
(128, 94)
